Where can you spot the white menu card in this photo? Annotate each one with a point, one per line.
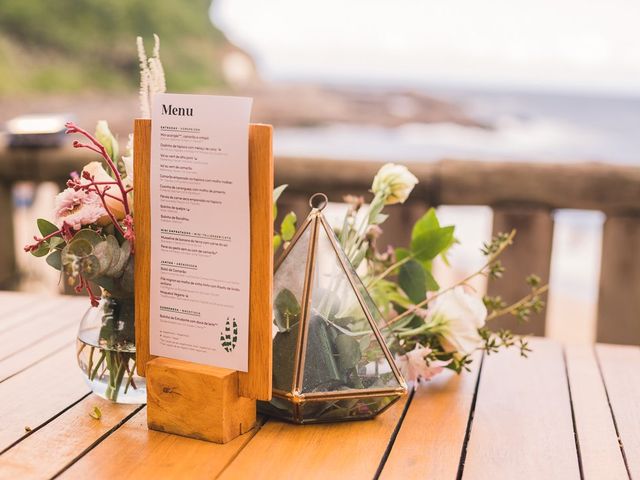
(200, 227)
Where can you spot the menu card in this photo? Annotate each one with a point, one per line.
(200, 227)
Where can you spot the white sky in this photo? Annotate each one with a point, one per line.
(591, 45)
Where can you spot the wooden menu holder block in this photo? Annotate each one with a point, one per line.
(189, 399)
(197, 401)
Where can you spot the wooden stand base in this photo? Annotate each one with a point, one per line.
(196, 401)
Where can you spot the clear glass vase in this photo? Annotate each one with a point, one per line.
(106, 351)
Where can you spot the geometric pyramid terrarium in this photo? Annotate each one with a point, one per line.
(330, 362)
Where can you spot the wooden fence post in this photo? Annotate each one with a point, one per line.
(7, 239)
(530, 253)
(619, 302)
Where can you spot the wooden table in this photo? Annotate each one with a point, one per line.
(564, 413)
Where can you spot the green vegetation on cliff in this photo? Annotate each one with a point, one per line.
(89, 45)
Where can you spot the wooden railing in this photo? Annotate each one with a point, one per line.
(522, 196)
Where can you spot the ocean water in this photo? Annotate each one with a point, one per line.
(523, 126)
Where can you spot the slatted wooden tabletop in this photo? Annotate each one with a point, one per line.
(566, 412)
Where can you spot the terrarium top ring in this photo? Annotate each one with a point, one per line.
(318, 201)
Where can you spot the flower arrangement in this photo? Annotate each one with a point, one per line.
(429, 327)
(91, 240)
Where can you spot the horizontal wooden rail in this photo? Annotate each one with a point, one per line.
(522, 195)
(587, 186)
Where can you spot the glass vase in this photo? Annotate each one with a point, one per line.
(106, 351)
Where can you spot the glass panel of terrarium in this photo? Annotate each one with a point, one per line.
(345, 409)
(341, 351)
(288, 286)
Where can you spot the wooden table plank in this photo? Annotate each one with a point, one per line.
(25, 309)
(133, 451)
(50, 449)
(522, 425)
(38, 393)
(429, 443)
(12, 305)
(597, 438)
(621, 373)
(50, 318)
(326, 451)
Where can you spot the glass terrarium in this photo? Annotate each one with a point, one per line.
(330, 361)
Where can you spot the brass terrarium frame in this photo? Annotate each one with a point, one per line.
(316, 221)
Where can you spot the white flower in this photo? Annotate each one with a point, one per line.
(415, 365)
(106, 138)
(460, 315)
(99, 174)
(395, 182)
(127, 159)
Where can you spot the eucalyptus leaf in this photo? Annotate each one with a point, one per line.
(103, 252)
(114, 250)
(79, 248)
(348, 351)
(42, 250)
(126, 281)
(56, 242)
(288, 226)
(287, 310)
(54, 260)
(89, 235)
(90, 266)
(46, 227)
(125, 252)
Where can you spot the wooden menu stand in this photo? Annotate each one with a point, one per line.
(189, 399)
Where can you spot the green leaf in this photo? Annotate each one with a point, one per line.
(432, 284)
(288, 226)
(429, 221)
(427, 244)
(402, 253)
(96, 413)
(79, 247)
(42, 250)
(104, 254)
(46, 227)
(90, 266)
(115, 252)
(89, 235)
(125, 252)
(56, 242)
(277, 241)
(287, 310)
(55, 260)
(413, 281)
(348, 351)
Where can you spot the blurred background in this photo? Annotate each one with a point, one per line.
(512, 114)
